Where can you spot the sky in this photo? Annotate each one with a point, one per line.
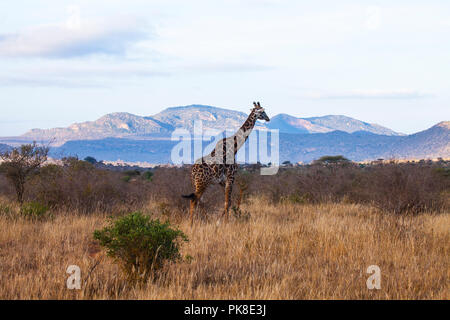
(384, 62)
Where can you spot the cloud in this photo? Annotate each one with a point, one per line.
(226, 67)
(27, 81)
(76, 76)
(74, 38)
(90, 75)
(372, 94)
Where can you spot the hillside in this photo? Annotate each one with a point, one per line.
(212, 118)
(120, 124)
(131, 137)
(126, 125)
(289, 124)
(350, 125)
(357, 146)
(431, 143)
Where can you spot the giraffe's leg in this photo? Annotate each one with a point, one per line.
(199, 189)
(228, 190)
(223, 185)
(191, 210)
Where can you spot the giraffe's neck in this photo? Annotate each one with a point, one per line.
(244, 131)
(227, 148)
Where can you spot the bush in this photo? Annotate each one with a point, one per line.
(168, 184)
(406, 188)
(331, 159)
(132, 173)
(140, 245)
(6, 210)
(19, 163)
(148, 175)
(240, 215)
(34, 210)
(394, 187)
(91, 160)
(81, 187)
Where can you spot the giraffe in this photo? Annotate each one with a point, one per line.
(220, 166)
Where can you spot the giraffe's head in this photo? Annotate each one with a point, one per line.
(259, 112)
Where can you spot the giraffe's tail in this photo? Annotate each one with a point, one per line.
(189, 196)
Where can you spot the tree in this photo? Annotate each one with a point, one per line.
(20, 162)
(90, 159)
(331, 159)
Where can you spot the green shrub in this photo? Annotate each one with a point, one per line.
(34, 210)
(6, 210)
(331, 159)
(444, 172)
(132, 173)
(296, 198)
(240, 215)
(140, 245)
(148, 175)
(164, 208)
(91, 160)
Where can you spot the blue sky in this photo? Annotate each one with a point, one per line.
(386, 62)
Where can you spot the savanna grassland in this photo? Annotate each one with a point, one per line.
(284, 244)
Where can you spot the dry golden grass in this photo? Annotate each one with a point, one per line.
(282, 252)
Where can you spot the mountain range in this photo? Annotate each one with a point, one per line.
(127, 125)
(134, 138)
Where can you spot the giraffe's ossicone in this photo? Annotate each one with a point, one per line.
(220, 165)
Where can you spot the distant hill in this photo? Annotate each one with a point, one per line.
(350, 125)
(357, 146)
(431, 143)
(120, 124)
(362, 145)
(131, 137)
(289, 124)
(306, 147)
(212, 118)
(126, 125)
